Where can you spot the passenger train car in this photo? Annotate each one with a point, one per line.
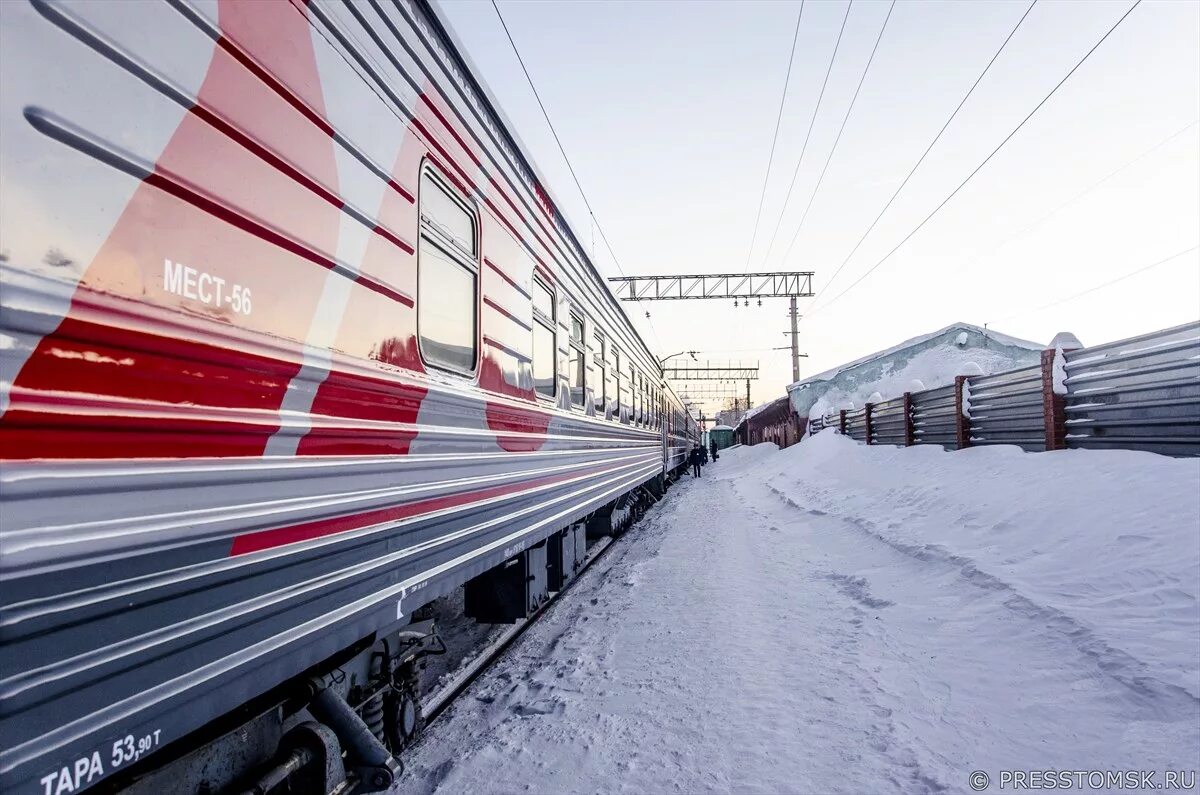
(293, 340)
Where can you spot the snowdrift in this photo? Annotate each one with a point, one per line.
(1103, 544)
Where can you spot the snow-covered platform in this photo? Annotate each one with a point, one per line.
(841, 618)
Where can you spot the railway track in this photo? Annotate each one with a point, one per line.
(437, 703)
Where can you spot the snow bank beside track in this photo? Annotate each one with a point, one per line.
(1105, 544)
(837, 618)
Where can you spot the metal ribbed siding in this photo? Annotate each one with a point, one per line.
(1142, 393)
(856, 424)
(887, 422)
(933, 416)
(1006, 408)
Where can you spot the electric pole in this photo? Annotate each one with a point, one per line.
(795, 342)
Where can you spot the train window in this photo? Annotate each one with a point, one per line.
(601, 359)
(632, 394)
(612, 376)
(578, 364)
(545, 353)
(618, 380)
(641, 397)
(447, 278)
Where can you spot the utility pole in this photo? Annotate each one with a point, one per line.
(795, 343)
(748, 389)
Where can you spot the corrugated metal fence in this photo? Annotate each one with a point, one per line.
(933, 416)
(1141, 393)
(887, 422)
(1006, 408)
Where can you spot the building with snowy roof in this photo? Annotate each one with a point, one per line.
(925, 362)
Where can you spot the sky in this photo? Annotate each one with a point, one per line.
(667, 112)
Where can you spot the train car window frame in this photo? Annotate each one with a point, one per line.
(618, 378)
(547, 324)
(577, 359)
(434, 238)
(600, 358)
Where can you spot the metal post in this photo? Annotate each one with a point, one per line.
(962, 425)
(909, 435)
(1054, 407)
(795, 343)
(747, 394)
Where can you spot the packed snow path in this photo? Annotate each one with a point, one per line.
(765, 632)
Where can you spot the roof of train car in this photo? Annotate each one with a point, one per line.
(489, 102)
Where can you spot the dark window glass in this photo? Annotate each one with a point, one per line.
(617, 379)
(577, 376)
(577, 366)
(602, 389)
(447, 279)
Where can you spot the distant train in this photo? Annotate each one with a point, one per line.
(293, 341)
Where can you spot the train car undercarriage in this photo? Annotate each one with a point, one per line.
(342, 726)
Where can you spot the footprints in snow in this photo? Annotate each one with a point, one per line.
(857, 589)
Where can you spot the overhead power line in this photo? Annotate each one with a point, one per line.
(986, 160)
(841, 129)
(557, 140)
(1109, 283)
(928, 148)
(808, 135)
(775, 139)
(1095, 185)
(563, 152)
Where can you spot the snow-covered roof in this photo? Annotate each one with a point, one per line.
(1003, 339)
(720, 428)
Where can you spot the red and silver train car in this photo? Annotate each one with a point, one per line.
(292, 341)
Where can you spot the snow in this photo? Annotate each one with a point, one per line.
(722, 428)
(961, 328)
(1065, 340)
(933, 367)
(835, 617)
(1058, 372)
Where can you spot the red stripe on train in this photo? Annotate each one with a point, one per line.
(282, 536)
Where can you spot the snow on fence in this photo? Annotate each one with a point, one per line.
(934, 417)
(1141, 393)
(1007, 408)
(889, 424)
(856, 424)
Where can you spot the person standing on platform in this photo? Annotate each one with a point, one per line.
(696, 461)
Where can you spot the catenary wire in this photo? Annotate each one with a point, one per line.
(1094, 186)
(566, 159)
(808, 135)
(775, 139)
(1101, 286)
(985, 161)
(928, 149)
(557, 140)
(841, 129)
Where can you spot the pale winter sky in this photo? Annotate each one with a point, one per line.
(667, 110)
